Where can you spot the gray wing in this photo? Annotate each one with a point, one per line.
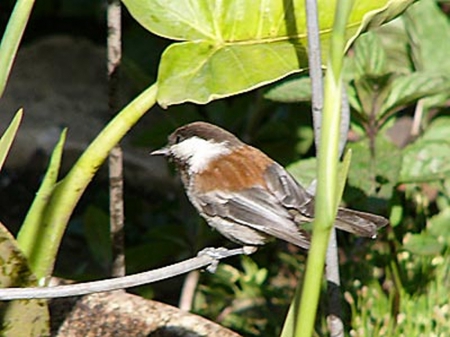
(289, 192)
(255, 209)
(293, 196)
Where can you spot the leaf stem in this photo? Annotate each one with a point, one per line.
(69, 190)
(326, 204)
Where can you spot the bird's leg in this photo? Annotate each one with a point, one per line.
(220, 253)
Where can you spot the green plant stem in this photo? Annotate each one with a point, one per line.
(69, 190)
(326, 203)
(12, 37)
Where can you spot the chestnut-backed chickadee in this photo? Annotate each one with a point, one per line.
(244, 194)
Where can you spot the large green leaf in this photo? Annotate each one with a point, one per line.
(234, 46)
(20, 317)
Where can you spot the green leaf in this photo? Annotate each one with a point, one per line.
(438, 130)
(372, 92)
(439, 227)
(8, 137)
(19, 317)
(201, 71)
(235, 46)
(368, 75)
(295, 88)
(370, 57)
(426, 161)
(32, 234)
(429, 32)
(304, 171)
(395, 42)
(428, 158)
(410, 88)
(375, 175)
(422, 244)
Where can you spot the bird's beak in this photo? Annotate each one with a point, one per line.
(164, 151)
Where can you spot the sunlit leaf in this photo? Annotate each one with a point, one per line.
(234, 46)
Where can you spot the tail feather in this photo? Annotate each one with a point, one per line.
(360, 223)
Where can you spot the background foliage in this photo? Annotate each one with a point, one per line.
(398, 84)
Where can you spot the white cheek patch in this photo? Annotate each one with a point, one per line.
(198, 152)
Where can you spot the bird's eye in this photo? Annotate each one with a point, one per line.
(178, 139)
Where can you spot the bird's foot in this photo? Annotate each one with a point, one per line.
(220, 253)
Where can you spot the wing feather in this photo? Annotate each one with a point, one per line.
(254, 208)
(293, 196)
(288, 191)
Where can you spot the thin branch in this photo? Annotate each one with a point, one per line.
(315, 66)
(115, 160)
(417, 122)
(334, 314)
(345, 120)
(188, 290)
(207, 258)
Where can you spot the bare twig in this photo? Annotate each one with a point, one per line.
(418, 113)
(188, 290)
(207, 259)
(315, 66)
(116, 206)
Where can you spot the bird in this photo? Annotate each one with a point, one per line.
(244, 194)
